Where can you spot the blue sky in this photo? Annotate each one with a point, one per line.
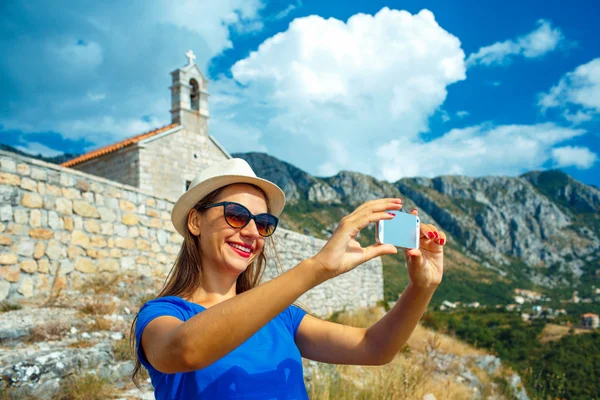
(392, 89)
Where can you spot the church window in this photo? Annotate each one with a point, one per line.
(194, 95)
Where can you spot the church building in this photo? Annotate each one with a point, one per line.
(163, 161)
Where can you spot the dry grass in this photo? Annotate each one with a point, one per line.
(85, 387)
(100, 324)
(82, 344)
(49, 331)
(8, 306)
(97, 307)
(122, 350)
(552, 332)
(103, 284)
(411, 375)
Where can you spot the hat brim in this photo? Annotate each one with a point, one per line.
(181, 209)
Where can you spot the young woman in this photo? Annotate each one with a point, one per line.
(213, 332)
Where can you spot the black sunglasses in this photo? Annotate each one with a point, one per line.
(238, 216)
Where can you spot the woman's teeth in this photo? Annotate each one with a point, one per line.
(241, 248)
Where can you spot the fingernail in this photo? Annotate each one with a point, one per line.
(392, 214)
(430, 235)
(442, 241)
(436, 235)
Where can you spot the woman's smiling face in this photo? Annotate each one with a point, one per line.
(230, 250)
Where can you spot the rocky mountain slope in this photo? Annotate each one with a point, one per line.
(537, 230)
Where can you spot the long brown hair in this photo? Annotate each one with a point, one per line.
(186, 274)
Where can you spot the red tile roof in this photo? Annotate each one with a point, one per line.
(116, 146)
(589, 315)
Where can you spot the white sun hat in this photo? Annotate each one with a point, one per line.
(233, 170)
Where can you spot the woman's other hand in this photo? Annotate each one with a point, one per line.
(342, 252)
(426, 264)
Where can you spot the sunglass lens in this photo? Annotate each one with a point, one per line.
(236, 215)
(266, 224)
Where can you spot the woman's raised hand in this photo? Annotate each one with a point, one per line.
(342, 252)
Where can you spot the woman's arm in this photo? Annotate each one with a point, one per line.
(340, 344)
(171, 345)
(334, 343)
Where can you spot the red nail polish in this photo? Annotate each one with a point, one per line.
(430, 235)
(436, 235)
(392, 214)
(442, 241)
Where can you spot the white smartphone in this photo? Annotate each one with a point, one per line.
(401, 231)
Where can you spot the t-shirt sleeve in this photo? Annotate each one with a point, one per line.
(149, 311)
(296, 315)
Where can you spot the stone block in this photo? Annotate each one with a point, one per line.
(97, 241)
(127, 206)
(21, 216)
(41, 233)
(5, 240)
(29, 184)
(55, 250)
(32, 200)
(141, 260)
(18, 229)
(161, 236)
(53, 190)
(116, 253)
(85, 265)
(106, 228)
(89, 197)
(42, 283)
(79, 238)
(38, 174)
(9, 179)
(85, 209)
(43, 266)
(6, 212)
(92, 253)
(26, 287)
(151, 212)
(107, 214)
(74, 252)
(127, 263)
(68, 223)
(66, 180)
(71, 193)
(23, 169)
(53, 221)
(142, 245)
(130, 219)
(64, 206)
(4, 289)
(109, 265)
(155, 223)
(39, 250)
(41, 188)
(125, 243)
(35, 218)
(29, 266)
(151, 202)
(92, 226)
(133, 232)
(11, 273)
(99, 199)
(8, 165)
(78, 222)
(82, 185)
(25, 247)
(121, 230)
(66, 267)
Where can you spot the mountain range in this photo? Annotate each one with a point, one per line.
(540, 230)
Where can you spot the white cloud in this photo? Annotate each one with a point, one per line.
(579, 157)
(100, 73)
(332, 90)
(475, 151)
(462, 114)
(35, 148)
(535, 44)
(577, 94)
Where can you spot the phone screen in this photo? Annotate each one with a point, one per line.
(401, 231)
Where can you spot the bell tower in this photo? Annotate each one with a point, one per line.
(189, 97)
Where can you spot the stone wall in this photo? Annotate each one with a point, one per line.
(59, 227)
(168, 161)
(121, 166)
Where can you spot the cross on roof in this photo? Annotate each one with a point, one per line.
(191, 57)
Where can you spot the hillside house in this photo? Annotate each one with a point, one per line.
(590, 320)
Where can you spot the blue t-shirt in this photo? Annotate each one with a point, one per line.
(266, 366)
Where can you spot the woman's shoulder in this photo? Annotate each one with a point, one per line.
(171, 304)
